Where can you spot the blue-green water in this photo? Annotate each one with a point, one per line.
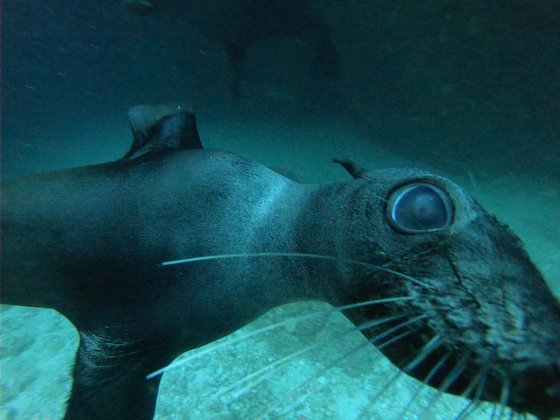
(466, 89)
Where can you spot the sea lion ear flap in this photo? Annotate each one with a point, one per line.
(162, 127)
(357, 172)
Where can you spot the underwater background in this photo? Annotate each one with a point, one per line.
(469, 89)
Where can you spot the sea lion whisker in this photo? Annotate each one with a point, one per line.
(275, 326)
(479, 378)
(375, 339)
(333, 363)
(287, 358)
(461, 414)
(312, 389)
(472, 403)
(427, 380)
(476, 399)
(455, 373)
(467, 410)
(425, 351)
(494, 410)
(482, 384)
(298, 402)
(504, 397)
(476, 385)
(394, 339)
(364, 303)
(447, 382)
(266, 371)
(380, 321)
(396, 328)
(297, 255)
(428, 348)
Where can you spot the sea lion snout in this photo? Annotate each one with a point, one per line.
(488, 321)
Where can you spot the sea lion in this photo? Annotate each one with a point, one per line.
(115, 247)
(237, 25)
(143, 7)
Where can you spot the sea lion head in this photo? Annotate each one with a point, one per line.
(481, 321)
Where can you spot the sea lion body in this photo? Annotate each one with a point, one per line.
(96, 247)
(238, 25)
(90, 243)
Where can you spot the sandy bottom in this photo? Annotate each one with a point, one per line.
(38, 345)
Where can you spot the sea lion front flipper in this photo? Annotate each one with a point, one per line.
(161, 127)
(110, 368)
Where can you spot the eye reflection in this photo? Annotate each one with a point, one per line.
(419, 208)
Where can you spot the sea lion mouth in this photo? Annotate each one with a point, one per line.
(532, 389)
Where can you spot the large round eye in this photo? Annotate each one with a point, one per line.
(419, 208)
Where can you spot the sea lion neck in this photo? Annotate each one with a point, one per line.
(329, 228)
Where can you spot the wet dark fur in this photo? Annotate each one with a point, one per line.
(90, 242)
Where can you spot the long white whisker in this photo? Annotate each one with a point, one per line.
(263, 372)
(428, 348)
(493, 413)
(455, 373)
(476, 381)
(511, 413)
(447, 382)
(396, 328)
(310, 391)
(433, 344)
(477, 386)
(272, 327)
(504, 397)
(480, 387)
(427, 380)
(471, 408)
(393, 340)
(297, 255)
(523, 416)
(476, 400)
(305, 396)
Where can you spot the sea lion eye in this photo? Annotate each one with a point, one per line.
(419, 208)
